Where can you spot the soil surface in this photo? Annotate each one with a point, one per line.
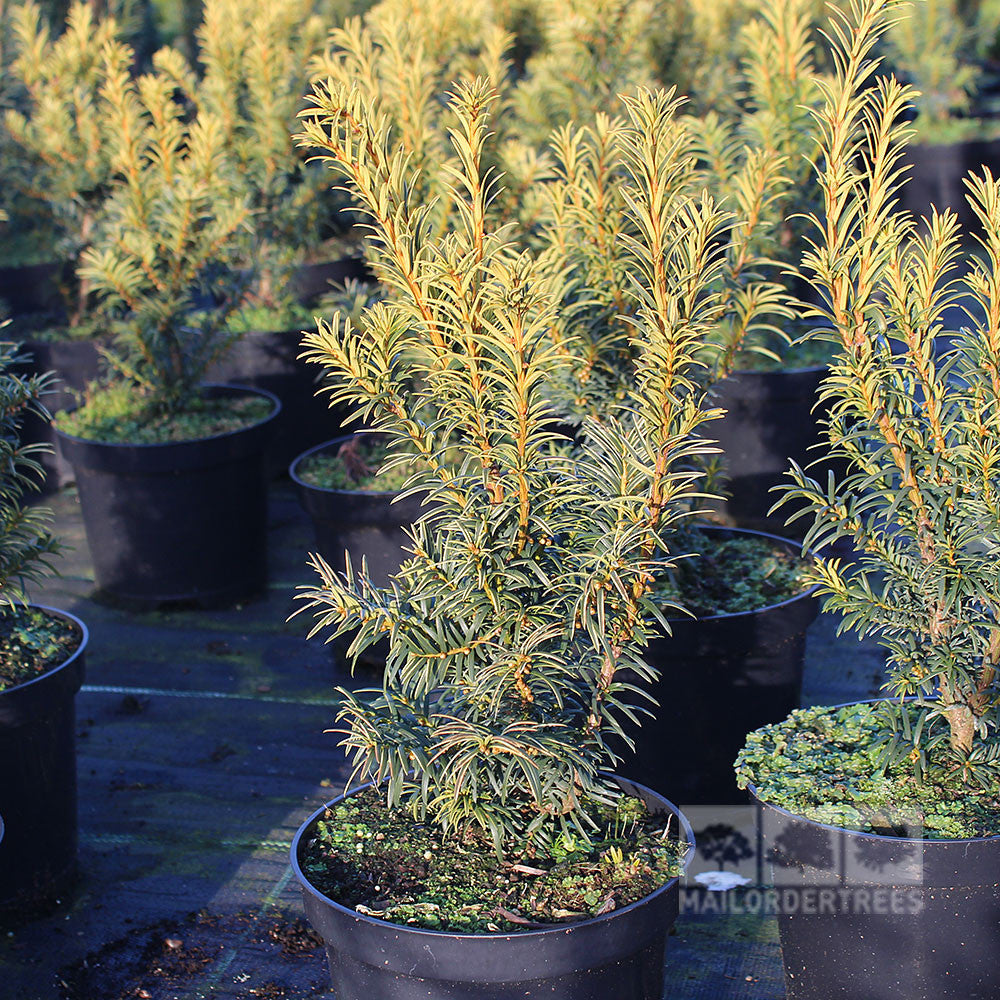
(33, 642)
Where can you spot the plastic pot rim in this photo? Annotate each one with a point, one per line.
(152, 445)
(810, 592)
(322, 446)
(81, 646)
(555, 929)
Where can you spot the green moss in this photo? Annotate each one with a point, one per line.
(732, 575)
(811, 353)
(823, 763)
(383, 863)
(267, 319)
(32, 642)
(47, 333)
(358, 464)
(122, 414)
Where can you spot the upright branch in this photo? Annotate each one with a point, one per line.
(912, 415)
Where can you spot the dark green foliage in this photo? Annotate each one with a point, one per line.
(26, 546)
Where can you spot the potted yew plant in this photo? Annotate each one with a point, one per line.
(516, 626)
(60, 171)
(746, 589)
(933, 48)
(171, 472)
(888, 811)
(41, 669)
(769, 384)
(256, 58)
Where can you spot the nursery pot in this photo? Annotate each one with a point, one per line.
(311, 281)
(270, 361)
(771, 417)
(32, 288)
(617, 956)
(363, 522)
(937, 177)
(720, 677)
(75, 363)
(38, 784)
(180, 521)
(883, 918)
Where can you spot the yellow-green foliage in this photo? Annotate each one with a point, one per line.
(173, 227)
(405, 57)
(591, 232)
(916, 420)
(929, 46)
(255, 56)
(526, 602)
(591, 51)
(62, 131)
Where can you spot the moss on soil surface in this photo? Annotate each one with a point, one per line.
(811, 353)
(384, 864)
(32, 642)
(356, 465)
(119, 415)
(292, 318)
(733, 574)
(822, 763)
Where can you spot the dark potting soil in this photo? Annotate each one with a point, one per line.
(734, 574)
(119, 415)
(824, 764)
(358, 464)
(384, 864)
(32, 642)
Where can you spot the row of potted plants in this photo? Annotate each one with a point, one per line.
(458, 740)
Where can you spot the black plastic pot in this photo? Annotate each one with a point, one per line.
(75, 363)
(31, 288)
(314, 280)
(883, 918)
(771, 416)
(362, 522)
(720, 677)
(184, 521)
(270, 361)
(38, 785)
(618, 956)
(937, 173)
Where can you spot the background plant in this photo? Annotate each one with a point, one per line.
(590, 231)
(915, 418)
(26, 545)
(64, 166)
(931, 46)
(405, 57)
(515, 629)
(171, 244)
(255, 57)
